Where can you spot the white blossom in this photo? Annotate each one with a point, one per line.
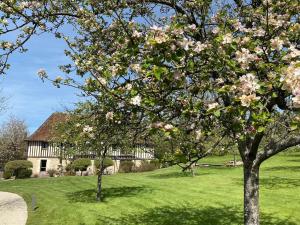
(199, 47)
(136, 67)
(156, 28)
(136, 100)
(296, 101)
(109, 116)
(248, 84)
(168, 127)
(247, 99)
(277, 43)
(198, 134)
(102, 80)
(192, 27)
(244, 57)
(185, 44)
(227, 39)
(87, 129)
(157, 125)
(216, 30)
(42, 73)
(137, 34)
(213, 105)
(128, 86)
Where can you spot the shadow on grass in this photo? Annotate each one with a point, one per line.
(177, 174)
(285, 168)
(279, 182)
(187, 216)
(89, 195)
(294, 160)
(274, 182)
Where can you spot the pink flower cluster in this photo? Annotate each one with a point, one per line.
(247, 89)
(291, 82)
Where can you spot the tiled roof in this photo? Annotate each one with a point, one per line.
(46, 131)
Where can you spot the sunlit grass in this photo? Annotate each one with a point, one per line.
(165, 197)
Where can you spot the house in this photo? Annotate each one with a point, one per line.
(45, 154)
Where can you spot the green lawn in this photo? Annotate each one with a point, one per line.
(165, 197)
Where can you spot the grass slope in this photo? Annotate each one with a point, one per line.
(165, 197)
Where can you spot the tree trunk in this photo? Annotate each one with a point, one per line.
(234, 159)
(251, 194)
(99, 186)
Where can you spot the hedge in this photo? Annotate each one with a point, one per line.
(107, 162)
(19, 168)
(81, 164)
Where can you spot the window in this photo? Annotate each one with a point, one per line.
(43, 165)
(45, 144)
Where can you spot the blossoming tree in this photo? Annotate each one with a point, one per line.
(90, 130)
(226, 66)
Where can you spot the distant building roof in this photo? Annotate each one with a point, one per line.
(46, 131)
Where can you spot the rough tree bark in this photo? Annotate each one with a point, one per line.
(252, 160)
(251, 194)
(249, 150)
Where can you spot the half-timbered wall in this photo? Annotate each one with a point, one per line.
(36, 149)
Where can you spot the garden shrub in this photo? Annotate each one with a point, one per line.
(68, 167)
(23, 173)
(19, 168)
(81, 164)
(70, 173)
(155, 163)
(7, 174)
(126, 166)
(107, 162)
(52, 172)
(148, 166)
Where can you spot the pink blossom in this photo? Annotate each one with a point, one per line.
(246, 100)
(248, 84)
(277, 43)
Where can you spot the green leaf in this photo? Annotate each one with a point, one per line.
(261, 129)
(294, 127)
(217, 113)
(157, 71)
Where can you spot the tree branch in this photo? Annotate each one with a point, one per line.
(269, 151)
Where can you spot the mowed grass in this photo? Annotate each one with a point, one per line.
(165, 197)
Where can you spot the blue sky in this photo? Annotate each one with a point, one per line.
(28, 97)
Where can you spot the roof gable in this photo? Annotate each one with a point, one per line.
(46, 131)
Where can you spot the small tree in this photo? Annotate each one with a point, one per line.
(92, 130)
(12, 140)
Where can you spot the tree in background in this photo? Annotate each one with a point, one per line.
(91, 130)
(12, 140)
(3, 102)
(226, 66)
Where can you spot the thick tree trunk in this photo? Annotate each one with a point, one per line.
(251, 195)
(99, 186)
